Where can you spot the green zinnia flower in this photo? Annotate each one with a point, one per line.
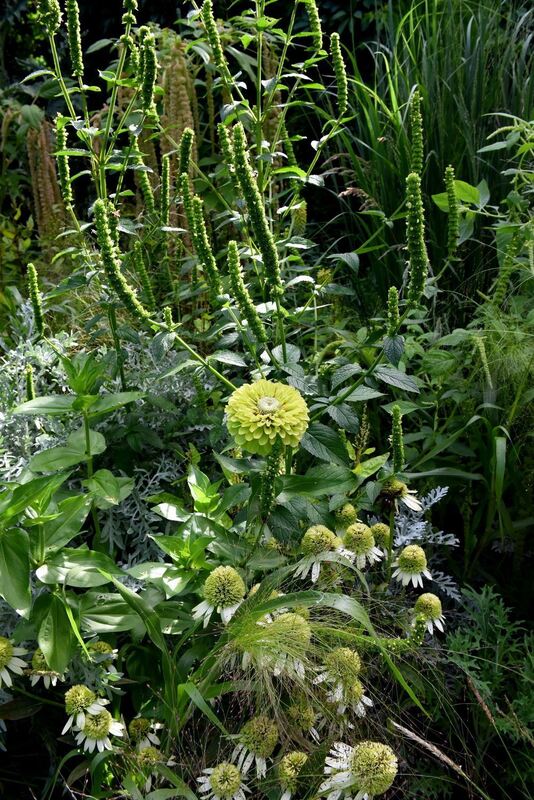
(260, 413)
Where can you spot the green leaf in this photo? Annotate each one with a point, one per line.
(15, 569)
(362, 394)
(193, 693)
(324, 443)
(72, 514)
(394, 348)
(77, 567)
(109, 489)
(344, 373)
(345, 417)
(394, 377)
(227, 357)
(318, 482)
(110, 402)
(74, 452)
(173, 778)
(34, 493)
(352, 260)
(47, 406)
(367, 468)
(55, 637)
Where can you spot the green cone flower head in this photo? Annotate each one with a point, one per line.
(10, 661)
(360, 541)
(40, 670)
(97, 730)
(289, 770)
(102, 652)
(148, 757)
(260, 736)
(224, 590)
(317, 539)
(343, 665)
(346, 515)
(302, 714)
(260, 413)
(292, 631)
(223, 782)
(374, 766)
(80, 702)
(381, 533)
(411, 566)
(138, 728)
(365, 770)
(428, 606)
(340, 674)
(394, 490)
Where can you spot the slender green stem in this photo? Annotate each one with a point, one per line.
(112, 317)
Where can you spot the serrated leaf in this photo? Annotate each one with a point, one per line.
(362, 394)
(318, 482)
(324, 443)
(395, 377)
(344, 373)
(394, 348)
(345, 417)
(227, 357)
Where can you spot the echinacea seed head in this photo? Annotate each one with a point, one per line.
(381, 533)
(429, 605)
(78, 698)
(225, 780)
(260, 736)
(290, 767)
(343, 664)
(6, 652)
(138, 728)
(224, 587)
(317, 539)
(346, 515)
(148, 757)
(374, 767)
(412, 559)
(359, 538)
(98, 726)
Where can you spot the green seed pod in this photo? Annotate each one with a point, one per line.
(416, 129)
(507, 267)
(148, 66)
(241, 295)
(30, 384)
(112, 265)
(49, 15)
(268, 478)
(186, 148)
(206, 12)
(167, 316)
(300, 218)
(74, 37)
(258, 218)
(63, 168)
(393, 312)
(315, 24)
(144, 277)
(204, 248)
(415, 235)
(397, 442)
(142, 177)
(340, 73)
(453, 232)
(165, 191)
(35, 298)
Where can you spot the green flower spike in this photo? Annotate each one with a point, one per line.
(260, 413)
(397, 442)
(63, 168)
(393, 312)
(416, 129)
(74, 37)
(257, 741)
(49, 15)
(341, 75)
(453, 227)
(35, 298)
(315, 24)
(30, 382)
(368, 769)
(212, 33)
(241, 294)
(415, 238)
(224, 590)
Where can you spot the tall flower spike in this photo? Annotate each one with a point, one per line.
(268, 478)
(186, 148)
(507, 267)
(212, 33)
(165, 191)
(62, 161)
(340, 73)
(112, 265)
(393, 312)
(74, 37)
(227, 150)
(142, 177)
(453, 227)
(256, 210)
(397, 442)
(415, 235)
(204, 248)
(416, 130)
(144, 277)
(30, 383)
(149, 68)
(35, 298)
(315, 24)
(49, 15)
(241, 295)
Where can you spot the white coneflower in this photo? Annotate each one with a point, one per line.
(223, 782)
(382, 535)
(104, 654)
(289, 769)
(224, 590)
(411, 566)
(346, 515)
(360, 541)
(144, 732)
(40, 671)
(80, 701)
(10, 661)
(97, 730)
(340, 674)
(429, 607)
(317, 541)
(257, 739)
(360, 772)
(395, 490)
(291, 634)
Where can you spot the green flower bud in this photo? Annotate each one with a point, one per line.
(260, 736)
(224, 587)
(343, 665)
(206, 13)
(98, 726)
(359, 538)
(415, 235)
(302, 714)
(412, 559)
(258, 218)
(138, 728)
(381, 533)
(393, 312)
(63, 167)
(429, 606)
(241, 295)
(416, 128)
(35, 298)
(148, 757)
(49, 15)
(453, 228)
(290, 768)
(374, 767)
(317, 539)
(397, 442)
(144, 278)
(74, 37)
(346, 515)
(340, 73)
(315, 24)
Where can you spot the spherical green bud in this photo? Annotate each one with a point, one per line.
(292, 632)
(149, 757)
(374, 767)
(412, 559)
(290, 768)
(302, 714)
(97, 726)
(381, 533)
(343, 665)
(225, 780)
(260, 736)
(346, 515)
(6, 652)
(260, 413)
(78, 698)
(317, 539)
(359, 538)
(138, 728)
(224, 587)
(428, 605)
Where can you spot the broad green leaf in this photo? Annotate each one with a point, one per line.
(362, 394)
(77, 567)
(108, 488)
(318, 482)
(172, 777)
(345, 417)
(394, 348)
(55, 637)
(34, 493)
(47, 406)
(15, 569)
(110, 402)
(72, 453)
(394, 377)
(108, 613)
(324, 443)
(72, 514)
(367, 468)
(344, 373)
